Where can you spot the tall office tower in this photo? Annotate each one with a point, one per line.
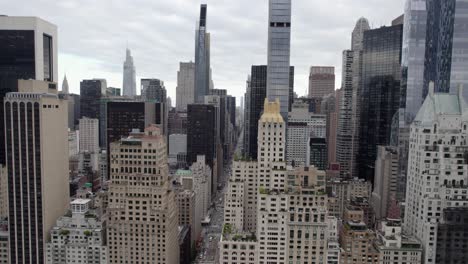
(279, 42)
(437, 174)
(185, 90)
(385, 180)
(91, 92)
(89, 135)
(347, 138)
(37, 160)
(412, 81)
(444, 62)
(321, 81)
(202, 58)
(78, 238)
(142, 211)
(201, 135)
(129, 78)
(258, 85)
(330, 109)
(28, 48)
(153, 89)
(380, 94)
(302, 125)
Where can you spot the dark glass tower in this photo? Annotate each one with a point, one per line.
(20, 38)
(446, 45)
(201, 133)
(380, 93)
(91, 92)
(258, 84)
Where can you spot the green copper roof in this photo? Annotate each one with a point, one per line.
(183, 172)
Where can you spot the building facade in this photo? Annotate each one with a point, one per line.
(141, 203)
(185, 90)
(437, 170)
(79, 238)
(153, 90)
(279, 45)
(91, 92)
(381, 77)
(321, 81)
(37, 161)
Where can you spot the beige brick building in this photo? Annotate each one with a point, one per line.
(143, 215)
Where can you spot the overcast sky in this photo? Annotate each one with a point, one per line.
(93, 35)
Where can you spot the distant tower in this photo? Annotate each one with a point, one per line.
(65, 89)
(279, 42)
(185, 90)
(347, 139)
(202, 58)
(129, 79)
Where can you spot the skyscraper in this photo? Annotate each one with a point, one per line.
(380, 94)
(321, 81)
(65, 89)
(28, 50)
(201, 134)
(258, 84)
(185, 90)
(153, 89)
(129, 79)
(412, 82)
(202, 57)
(279, 42)
(347, 138)
(446, 44)
(91, 92)
(142, 212)
(37, 159)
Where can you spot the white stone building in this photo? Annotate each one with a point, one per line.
(78, 238)
(396, 248)
(437, 166)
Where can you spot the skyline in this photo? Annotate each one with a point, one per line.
(95, 47)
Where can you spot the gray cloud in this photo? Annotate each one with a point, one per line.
(93, 35)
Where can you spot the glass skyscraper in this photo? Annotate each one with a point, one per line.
(279, 42)
(446, 63)
(202, 58)
(381, 77)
